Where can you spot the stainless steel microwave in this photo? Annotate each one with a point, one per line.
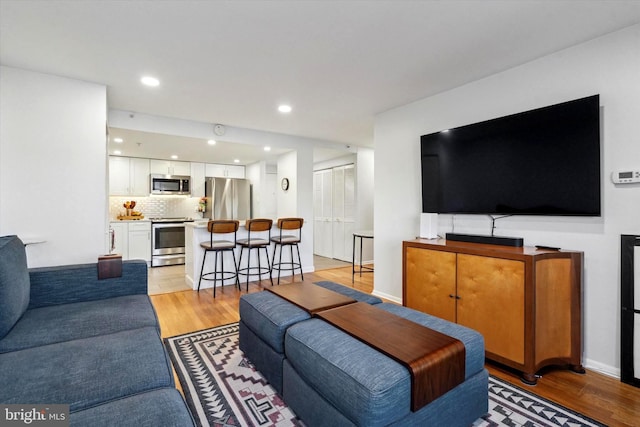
(170, 184)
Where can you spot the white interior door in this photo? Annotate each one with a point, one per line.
(343, 211)
(334, 212)
(322, 205)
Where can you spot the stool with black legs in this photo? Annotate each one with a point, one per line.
(226, 228)
(292, 226)
(258, 237)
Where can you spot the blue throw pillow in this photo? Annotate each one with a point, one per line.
(14, 282)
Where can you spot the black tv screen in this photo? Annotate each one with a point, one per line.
(540, 162)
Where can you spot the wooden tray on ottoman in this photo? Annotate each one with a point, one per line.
(310, 297)
(435, 361)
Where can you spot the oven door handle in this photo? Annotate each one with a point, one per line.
(167, 225)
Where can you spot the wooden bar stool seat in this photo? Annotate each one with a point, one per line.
(220, 227)
(258, 237)
(290, 225)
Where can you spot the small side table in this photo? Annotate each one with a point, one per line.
(368, 234)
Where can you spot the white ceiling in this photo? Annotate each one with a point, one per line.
(338, 63)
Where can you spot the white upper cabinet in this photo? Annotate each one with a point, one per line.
(170, 167)
(224, 171)
(197, 179)
(128, 176)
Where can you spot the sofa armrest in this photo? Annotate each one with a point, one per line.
(76, 283)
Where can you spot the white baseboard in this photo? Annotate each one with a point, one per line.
(601, 368)
(387, 296)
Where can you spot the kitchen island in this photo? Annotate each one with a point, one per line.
(196, 233)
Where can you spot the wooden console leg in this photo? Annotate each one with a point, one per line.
(529, 379)
(578, 369)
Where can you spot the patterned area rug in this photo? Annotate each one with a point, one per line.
(223, 388)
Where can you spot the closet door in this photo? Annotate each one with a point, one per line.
(343, 212)
(322, 201)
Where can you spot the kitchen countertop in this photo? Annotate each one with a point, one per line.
(131, 220)
(202, 223)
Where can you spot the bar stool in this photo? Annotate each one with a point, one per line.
(257, 241)
(220, 247)
(291, 240)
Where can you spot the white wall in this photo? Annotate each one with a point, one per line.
(365, 191)
(608, 66)
(297, 201)
(53, 165)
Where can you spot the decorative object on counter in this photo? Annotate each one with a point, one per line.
(130, 213)
(133, 216)
(129, 205)
(202, 204)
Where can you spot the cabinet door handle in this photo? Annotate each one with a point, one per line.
(454, 296)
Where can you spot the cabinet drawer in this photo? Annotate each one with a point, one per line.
(140, 226)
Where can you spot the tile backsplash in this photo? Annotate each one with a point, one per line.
(156, 207)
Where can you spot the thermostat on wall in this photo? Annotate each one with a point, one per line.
(625, 177)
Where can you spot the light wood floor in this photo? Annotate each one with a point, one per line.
(598, 396)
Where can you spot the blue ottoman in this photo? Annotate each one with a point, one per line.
(264, 319)
(331, 378)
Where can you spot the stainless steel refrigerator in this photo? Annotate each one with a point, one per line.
(227, 198)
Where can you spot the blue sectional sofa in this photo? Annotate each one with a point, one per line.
(329, 378)
(68, 338)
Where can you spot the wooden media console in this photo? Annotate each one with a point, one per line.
(526, 302)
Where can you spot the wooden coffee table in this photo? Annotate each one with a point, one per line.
(435, 361)
(310, 297)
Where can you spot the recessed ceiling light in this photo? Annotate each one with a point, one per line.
(118, 140)
(173, 156)
(236, 160)
(267, 148)
(284, 108)
(150, 81)
(444, 131)
(117, 152)
(211, 142)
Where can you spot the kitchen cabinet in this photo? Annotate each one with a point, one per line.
(197, 179)
(120, 239)
(132, 239)
(170, 167)
(213, 170)
(139, 240)
(524, 301)
(128, 176)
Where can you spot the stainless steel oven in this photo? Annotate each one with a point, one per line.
(167, 241)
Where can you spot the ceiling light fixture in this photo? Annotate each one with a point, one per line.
(267, 148)
(118, 140)
(236, 160)
(211, 142)
(284, 108)
(117, 152)
(150, 81)
(173, 156)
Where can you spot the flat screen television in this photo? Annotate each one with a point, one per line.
(540, 162)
